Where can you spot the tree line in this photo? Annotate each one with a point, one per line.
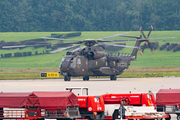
(88, 15)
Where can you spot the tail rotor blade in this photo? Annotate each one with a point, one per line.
(142, 51)
(152, 49)
(150, 31)
(142, 32)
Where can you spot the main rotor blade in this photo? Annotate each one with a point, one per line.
(50, 38)
(132, 37)
(160, 38)
(58, 50)
(139, 39)
(18, 46)
(35, 45)
(112, 36)
(117, 45)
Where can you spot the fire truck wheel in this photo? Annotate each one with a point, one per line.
(148, 119)
(168, 118)
(178, 117)
(88, 118)
(115, 115)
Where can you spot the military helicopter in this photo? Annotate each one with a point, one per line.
(91, 60)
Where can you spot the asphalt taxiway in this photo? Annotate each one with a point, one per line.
(96, 86)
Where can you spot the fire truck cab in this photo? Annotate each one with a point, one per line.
(90, 107)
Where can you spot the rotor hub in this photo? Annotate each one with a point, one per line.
(90, 42)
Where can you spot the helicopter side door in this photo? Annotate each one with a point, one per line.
(112, 64)
(122, 64)
(82, 65)
(95, 64)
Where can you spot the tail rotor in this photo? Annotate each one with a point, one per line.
(144, 46)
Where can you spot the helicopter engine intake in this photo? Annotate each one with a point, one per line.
(94, 55)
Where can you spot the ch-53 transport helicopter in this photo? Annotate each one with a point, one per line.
(91, 60)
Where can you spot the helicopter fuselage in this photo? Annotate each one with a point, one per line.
(80, 65)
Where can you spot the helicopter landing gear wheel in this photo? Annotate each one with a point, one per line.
(67, 78)
(113, 77)
(86, 78)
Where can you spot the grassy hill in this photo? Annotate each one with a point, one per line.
(160, 59)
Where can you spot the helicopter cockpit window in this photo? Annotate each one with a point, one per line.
(63, 59)
(78, 61)
(73, 63)
(66, 59)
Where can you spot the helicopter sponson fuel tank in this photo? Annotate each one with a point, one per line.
(108, 71)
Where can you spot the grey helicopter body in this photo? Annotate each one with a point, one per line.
(92, 61)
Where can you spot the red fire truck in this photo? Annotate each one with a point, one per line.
(113, 106)
(90, 107)
(168, 100)
(137, 106)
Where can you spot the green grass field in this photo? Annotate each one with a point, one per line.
(160, 59)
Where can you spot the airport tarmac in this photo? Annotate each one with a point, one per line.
(96, 86)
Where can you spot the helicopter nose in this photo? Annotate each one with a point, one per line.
(65, 66)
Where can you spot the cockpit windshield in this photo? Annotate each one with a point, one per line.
(71, 60)
(66, 59)
(73, 63)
